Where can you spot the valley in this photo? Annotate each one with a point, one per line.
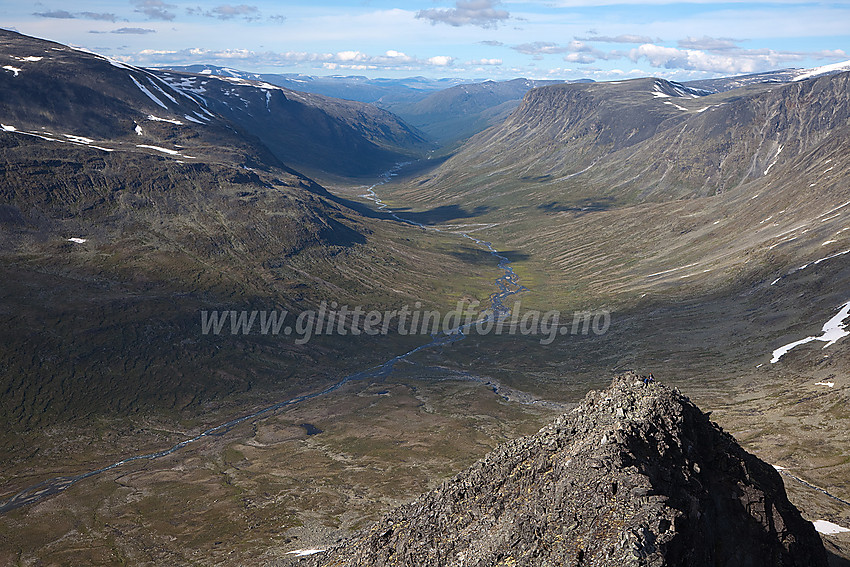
(712, 226)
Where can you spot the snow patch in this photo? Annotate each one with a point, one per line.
(80, 139)
(830, 257)
(190, 119)
(165, 94)
(834, 209)
(158, 119)
(672, 270)
(145, 90)
(833, 330)
(833, 68)
(30, 58)
(828, 384)
(118, 64)
(159, 149)
(304, 552)
(828, 528)
(139, 130)
(8, 128)
(781, 242)
(14, 70)
(775, 157)
(78, 240)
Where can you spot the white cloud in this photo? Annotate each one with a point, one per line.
(481, 13)
(441, 60)
(577, 51)
(708, 43)
(583, 58)
(148, 52)
(484, 62)
(346, 59)
(622, 38)
(742, 61)
(346, 56)
(235, 54)
(393, 56)
(539, 48)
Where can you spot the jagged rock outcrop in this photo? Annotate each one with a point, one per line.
(635, 475)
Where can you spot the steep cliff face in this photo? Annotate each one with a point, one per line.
(560, 129)
(724, 144)
(650, 139)
(635, 475)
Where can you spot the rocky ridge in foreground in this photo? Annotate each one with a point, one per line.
(636, 475)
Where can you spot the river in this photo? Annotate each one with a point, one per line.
(506, 284)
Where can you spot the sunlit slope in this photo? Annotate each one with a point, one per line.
(630, 187)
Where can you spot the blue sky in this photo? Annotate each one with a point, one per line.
(559, 39)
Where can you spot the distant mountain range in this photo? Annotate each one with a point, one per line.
(450, 110)
(447, 111)
(458, 112)
(382, 92)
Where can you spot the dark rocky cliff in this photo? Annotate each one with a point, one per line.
(635, 475)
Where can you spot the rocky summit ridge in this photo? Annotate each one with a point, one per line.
(635, 475)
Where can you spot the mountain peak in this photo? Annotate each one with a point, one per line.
(635, 475)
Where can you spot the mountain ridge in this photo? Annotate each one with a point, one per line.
(311, 132)
(635, 475)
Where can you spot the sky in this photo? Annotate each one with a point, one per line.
(484, 39)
